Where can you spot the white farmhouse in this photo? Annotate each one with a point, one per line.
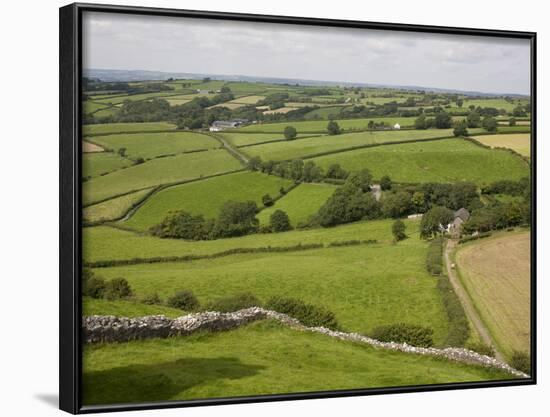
(396, 126)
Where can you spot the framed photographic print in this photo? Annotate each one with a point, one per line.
(260, 208)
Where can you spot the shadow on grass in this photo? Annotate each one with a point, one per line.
(159, 382)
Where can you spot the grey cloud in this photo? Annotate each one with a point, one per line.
(117, 41)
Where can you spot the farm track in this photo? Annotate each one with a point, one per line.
(467, 303)
(232, 150)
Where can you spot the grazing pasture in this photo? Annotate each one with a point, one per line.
(362, 285)
(300, 203)
(206, 197)
(114, 208)
(301, 148)
(248, 99)
(103, 243)
(496, 274)
(281, 110)
(244, 139)
(159, 171)
(150, 145)
(520, 143)
(108, 128)
(447, 160)
(96, 164)
(261, 358)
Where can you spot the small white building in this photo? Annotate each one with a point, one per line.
(397, 126)
(220, 125)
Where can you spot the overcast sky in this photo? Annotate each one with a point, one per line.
(156, 43)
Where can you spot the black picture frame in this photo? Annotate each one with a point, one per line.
(70, 236)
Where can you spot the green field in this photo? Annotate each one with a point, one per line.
(312, 146)
(150, 145)
(125, 127)
(114, 208)
(206, 197)
(446, 160)
(99, 163)
(159, 171)
(497, 103)
(136, 97)
(320, 126)
(300, 203)
(363, 285)
(245, 139)
(101, 307)
(108, 243)
(262, 358)
(91, 106)
(326, 112)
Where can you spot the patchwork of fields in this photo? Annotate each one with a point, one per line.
(135, 174)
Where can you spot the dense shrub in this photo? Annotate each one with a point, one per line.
(398, 230)
(404, 333)
(279, 221)
(333, 128)
(152, 298)
(307, 314)
(234, 303)
(267, 200)
(184, 300)
(434, 258)
(481, 348)
(117, 288)
(385, 183)
(93, 286)
(521, 361)
(290, 132)
(459, 328)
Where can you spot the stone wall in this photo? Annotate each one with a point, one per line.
(121, 329)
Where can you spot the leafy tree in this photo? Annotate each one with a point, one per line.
(335, 171)
(460, 129)
(267, 200)
(121, 152)
(385, 183)
(490, 124)
(184, 300)
(443, 120)
(237, 219)
(347, 204)
(396, 204)
(267, 166)
(225, 89)
(279, 221)
(398, 230)
(418, 201)
(290, 132)
(519, 112)
(311, 172)
(333, 128)
(183, 225)
(296, 169)
(254, 163)
(512, 122)
(420, 122)
(92, 285)
(459, 103)
(361, 179)
(432, 219)
(473, 119)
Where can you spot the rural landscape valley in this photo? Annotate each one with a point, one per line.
(392, 214)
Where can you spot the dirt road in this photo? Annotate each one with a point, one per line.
(469, 308)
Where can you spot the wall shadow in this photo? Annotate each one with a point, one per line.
(159, 382)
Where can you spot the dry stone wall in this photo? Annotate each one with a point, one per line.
(121, 329)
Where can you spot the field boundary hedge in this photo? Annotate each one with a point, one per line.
(228, 252)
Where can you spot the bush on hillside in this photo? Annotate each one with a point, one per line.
(184, 300)
(411, 334)
(307, 314)
(151, 299)
(481, 348)
(459, 328)
(92, 285)
(521, 361)
(279, 221)
(117, 288)
(234, 303)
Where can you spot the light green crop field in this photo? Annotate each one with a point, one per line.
(107, 243)
(113, 208)
(248, 99)
(150, 145)
(246, 88)
(100, 163)
(136, 97)
(210, 85)
(91, 106)
(244, 139)
(520, 143)
(311, 146)
(364, 286)
(326, 112)
(206, 197)
(447, 160)
(300, 203)
(102, 307)
(321, 125)
(159, 171)
(125, 127)
(497, 103)
(261, 358)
